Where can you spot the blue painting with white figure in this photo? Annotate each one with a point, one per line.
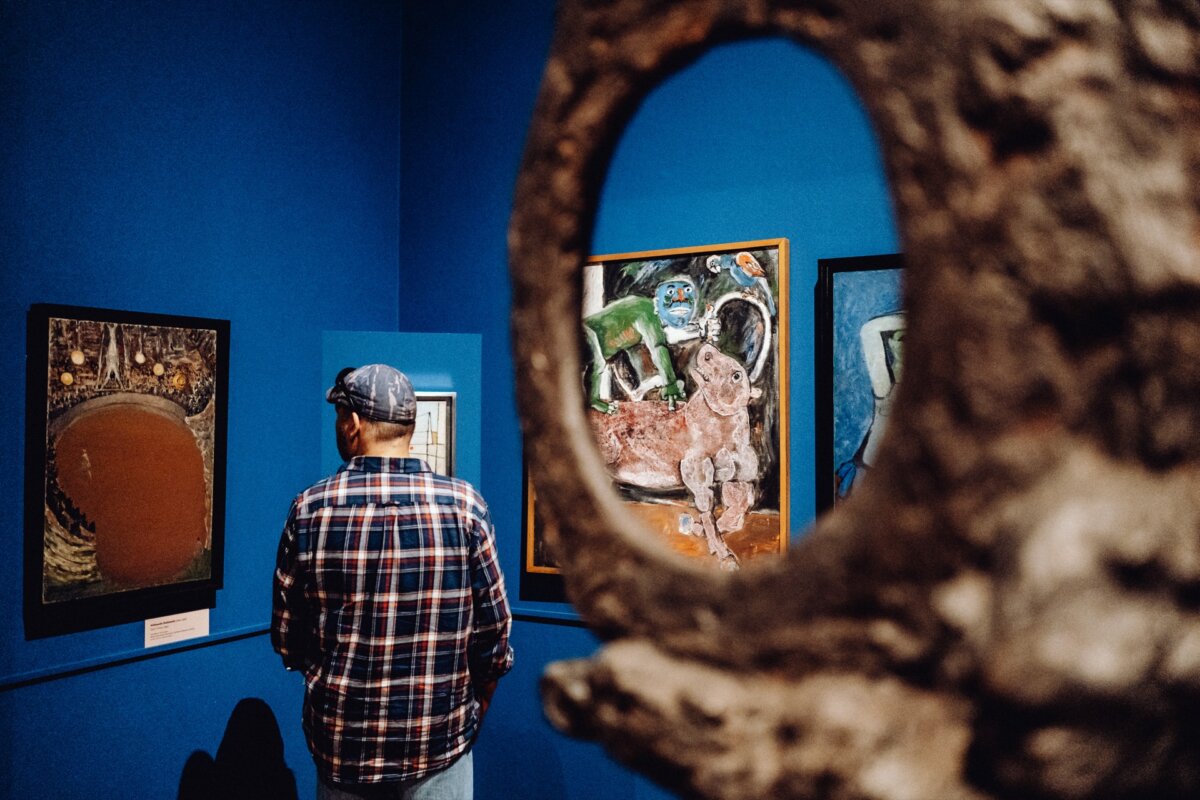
(868, 358)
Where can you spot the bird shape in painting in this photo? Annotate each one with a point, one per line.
(746, 273)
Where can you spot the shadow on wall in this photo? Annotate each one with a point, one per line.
(249, 762)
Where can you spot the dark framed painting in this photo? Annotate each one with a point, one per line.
(860, 323)
(433, 436)
(685, 381)
(126, 417)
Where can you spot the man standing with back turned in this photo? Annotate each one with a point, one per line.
(389, 597)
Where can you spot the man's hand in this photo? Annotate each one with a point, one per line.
(483, 693)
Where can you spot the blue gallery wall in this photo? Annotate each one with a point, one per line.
(756, 140)
(271, 163)
(218, 159)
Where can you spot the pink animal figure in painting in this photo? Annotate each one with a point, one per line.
(705, 445)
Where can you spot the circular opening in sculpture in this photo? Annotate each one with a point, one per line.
(733, 178)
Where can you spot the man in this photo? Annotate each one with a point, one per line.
(389, 597)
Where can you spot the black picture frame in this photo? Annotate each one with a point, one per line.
(857, 299)
(125, 451)
(537, 584)
(440, 453)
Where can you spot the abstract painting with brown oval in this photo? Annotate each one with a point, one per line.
(125, 465)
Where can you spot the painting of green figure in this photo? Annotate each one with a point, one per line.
(685, 385)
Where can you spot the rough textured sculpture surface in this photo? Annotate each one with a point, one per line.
(1011, 607)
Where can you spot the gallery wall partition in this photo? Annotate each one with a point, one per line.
(444, 366)
(226, 161)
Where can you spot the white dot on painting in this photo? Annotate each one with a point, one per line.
(158, 369)
(140, 357)
(66, 378)
(76, 357)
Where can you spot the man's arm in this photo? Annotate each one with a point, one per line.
(291, 627)
(483, 693)
(490, 655)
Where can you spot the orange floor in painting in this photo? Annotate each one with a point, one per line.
(138, 476)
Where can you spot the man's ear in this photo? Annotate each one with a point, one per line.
(355, 422)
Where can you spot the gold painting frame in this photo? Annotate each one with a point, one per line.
(738, 305)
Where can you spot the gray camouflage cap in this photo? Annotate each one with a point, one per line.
(377, 392)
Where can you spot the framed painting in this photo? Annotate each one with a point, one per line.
(433, 437)
(859, 359)
(685, 380)
(124, 466)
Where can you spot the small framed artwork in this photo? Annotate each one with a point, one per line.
(859, 360)
(125, 466)
(541, 579)
(685, 381)
(433, 437)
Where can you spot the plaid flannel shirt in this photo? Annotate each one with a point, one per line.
(389, 597)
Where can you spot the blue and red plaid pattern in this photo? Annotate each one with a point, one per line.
(389, 597)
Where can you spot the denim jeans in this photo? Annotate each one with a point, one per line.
(455, 782)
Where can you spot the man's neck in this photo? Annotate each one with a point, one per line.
(389, 450)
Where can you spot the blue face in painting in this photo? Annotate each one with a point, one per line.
(675, 301)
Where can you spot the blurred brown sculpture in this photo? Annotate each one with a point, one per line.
(1011, 607)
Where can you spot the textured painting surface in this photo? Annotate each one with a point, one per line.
(868, 357)
(433, 435)
(685, 389)
(130, 441)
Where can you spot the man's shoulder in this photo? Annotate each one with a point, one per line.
(357, 487)
(323, 488)
(463, 492)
